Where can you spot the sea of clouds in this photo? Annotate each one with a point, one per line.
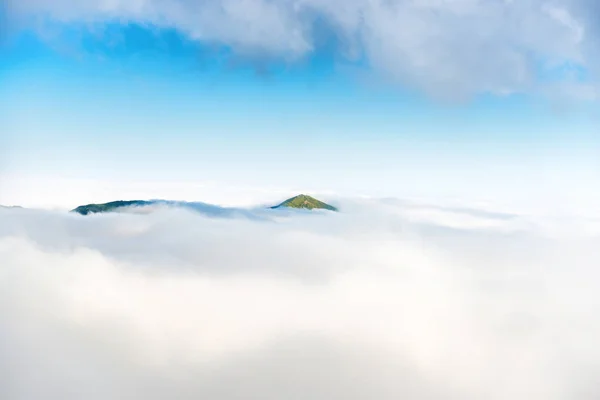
(384, 300)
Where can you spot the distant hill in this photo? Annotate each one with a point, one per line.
(112, 206)
(306, 202)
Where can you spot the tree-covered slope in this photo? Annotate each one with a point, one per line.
(305, 202)
(108, 207)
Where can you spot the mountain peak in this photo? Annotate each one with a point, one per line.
(306, 202)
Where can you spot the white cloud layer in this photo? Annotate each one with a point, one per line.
(385, 300)
(447, 48)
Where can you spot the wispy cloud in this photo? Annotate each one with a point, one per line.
(449, 49)
(382, 301)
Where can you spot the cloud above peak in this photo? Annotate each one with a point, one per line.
(447, 49)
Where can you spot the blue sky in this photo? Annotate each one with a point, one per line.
(127, 97)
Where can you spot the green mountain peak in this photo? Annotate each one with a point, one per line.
(306, 202)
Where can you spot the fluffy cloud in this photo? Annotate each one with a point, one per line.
(384, 300)
(447, 48)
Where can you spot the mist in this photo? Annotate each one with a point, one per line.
(384, 300)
